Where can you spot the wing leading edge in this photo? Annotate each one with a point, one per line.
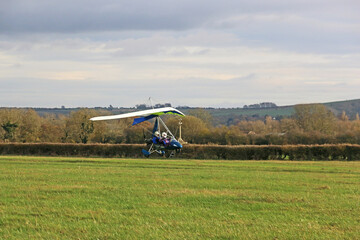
(141, 116)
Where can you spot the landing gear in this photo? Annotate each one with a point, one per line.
(146, 153)
(171, 154)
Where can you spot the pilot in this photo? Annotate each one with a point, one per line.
(164, 140)
(156, 138)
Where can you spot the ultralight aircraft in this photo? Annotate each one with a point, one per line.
(154, 144)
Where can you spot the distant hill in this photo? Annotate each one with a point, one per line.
(351, 107)
(228, 116)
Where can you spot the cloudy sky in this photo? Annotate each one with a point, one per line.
(188, 52)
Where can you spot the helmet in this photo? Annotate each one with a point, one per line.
(164, 134)
(157, 134)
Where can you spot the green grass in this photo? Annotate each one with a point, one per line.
(83, 198)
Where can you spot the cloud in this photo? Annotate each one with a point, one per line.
(203, 92)
(93, 15)
(305, 26)
(207, 53)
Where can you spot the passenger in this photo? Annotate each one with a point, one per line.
(156, 138)
(164, 140)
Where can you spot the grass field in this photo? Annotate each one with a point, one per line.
(82, 198)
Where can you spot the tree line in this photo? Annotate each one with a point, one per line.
(311, 124)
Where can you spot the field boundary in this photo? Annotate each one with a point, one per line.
(343, 152)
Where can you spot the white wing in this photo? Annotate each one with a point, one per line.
(145, 113)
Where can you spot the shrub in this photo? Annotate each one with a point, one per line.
(239, 152)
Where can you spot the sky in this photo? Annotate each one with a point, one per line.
(199, 53)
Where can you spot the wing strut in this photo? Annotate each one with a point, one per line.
(167, 129)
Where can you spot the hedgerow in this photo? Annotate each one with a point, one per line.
(345, 152)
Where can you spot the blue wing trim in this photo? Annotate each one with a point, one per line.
(142, 119)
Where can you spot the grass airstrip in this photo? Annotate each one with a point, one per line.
(86, 198)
